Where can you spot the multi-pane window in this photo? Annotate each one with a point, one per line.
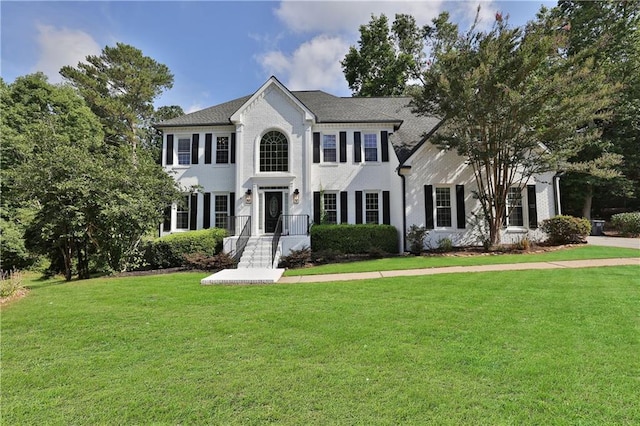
(371, 210)
(370, 147)
(329, 148)
(330, 208)
(274, 152)
(221, 204)
(184, 151)
(222, 149)
(514, 207)
(182, 216)
(443, 207)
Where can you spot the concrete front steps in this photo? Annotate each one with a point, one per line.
(255, 266)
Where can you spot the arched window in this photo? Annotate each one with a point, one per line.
(274, 152)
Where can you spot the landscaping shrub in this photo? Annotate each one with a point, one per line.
(204, 262)
(628, 224)
(415, 238)
(566, 229)
(296, 258)
(354, 239)
(10, 283)
(170, 251)
(445, 245)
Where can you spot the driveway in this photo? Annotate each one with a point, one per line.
(615, 242)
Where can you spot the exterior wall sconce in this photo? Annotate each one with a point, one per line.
(247, 196)
(296, 196)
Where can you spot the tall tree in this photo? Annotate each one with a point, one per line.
(386, 58)
(120, 86)
(511, 101)
(150, 137)
(90, 202)
(610, 32)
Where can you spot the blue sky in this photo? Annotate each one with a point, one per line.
(217, 50)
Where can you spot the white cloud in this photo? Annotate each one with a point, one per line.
(59, 47)
(347, 16)
(315, 64)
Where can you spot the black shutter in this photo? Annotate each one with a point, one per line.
(166, 224)
(428, 206)
(316, 147)
(533, 209)
(206, 221)
(195, 145)
(169, 153)
(344, 207)
(357, 154)
(358, 206)
(193, 212)
(460, 213)
(316, 208)
(232, 204)
(343, 147)
(384, 139)
(232, 149)
(386, 208)
(208, 140)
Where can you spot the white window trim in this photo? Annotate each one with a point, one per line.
(176, 148)
(214, 211)
(337, 144)
(453, 207)
(378, 148)
(525, 211)
(214, 150)
(364, 206)
(337, 194)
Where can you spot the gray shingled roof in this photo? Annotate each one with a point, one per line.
(332, 109)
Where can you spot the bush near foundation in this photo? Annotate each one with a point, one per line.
(170, 251)
(354, 239)
(628, 224)
(566, 229)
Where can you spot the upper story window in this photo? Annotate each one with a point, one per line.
(371, 208)
(370, 147)
(515, 215)
(329, 148)
(184, 151)
(222, 150)
(443, 207)
(274, 152)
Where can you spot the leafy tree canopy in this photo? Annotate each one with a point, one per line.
(89, 202)
(512, 102)
(387, 58)
(120, 86)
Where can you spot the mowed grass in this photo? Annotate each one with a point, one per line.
(527, 347)
(419, 262)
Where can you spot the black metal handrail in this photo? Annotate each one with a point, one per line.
(295, 224)
(245, 234)
(276, 239)
(236, 224)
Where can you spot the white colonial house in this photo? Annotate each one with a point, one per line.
(269, 165)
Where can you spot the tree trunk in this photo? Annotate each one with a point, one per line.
(586, 207)
(67, 256)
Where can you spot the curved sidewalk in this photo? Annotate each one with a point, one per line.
(562, 264)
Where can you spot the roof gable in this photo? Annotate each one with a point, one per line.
(236, 117)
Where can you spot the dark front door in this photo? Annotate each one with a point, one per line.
(272, 210)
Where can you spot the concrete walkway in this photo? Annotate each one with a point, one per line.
(615, 242)
(591, 263)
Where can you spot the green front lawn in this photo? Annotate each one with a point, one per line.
(527, 347)
(419, 262)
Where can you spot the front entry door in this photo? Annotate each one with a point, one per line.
(272, 210)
